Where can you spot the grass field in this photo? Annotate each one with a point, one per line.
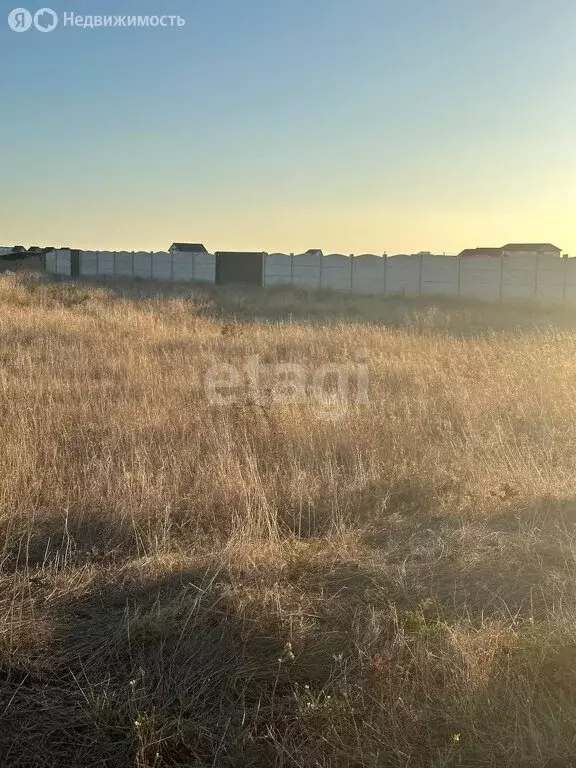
(257, 584)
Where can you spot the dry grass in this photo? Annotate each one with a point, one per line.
(190, 585)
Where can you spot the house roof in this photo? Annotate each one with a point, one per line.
(481, 252)
(314, 250)
(188, 247)
(530, 247)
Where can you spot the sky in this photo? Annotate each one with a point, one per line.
(355, 126)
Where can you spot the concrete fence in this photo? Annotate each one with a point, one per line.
(492, 278)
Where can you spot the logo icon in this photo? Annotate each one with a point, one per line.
(20, 20)
(45, 20)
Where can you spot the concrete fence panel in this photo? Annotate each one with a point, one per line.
(50, 262)
(162, 266)
(439, 275)
(550, 277)
(124, 264)
(480, 277)
(205, 267)
(106, 263)
(403, 275)
(519, 276)
(142, 264)
(89, 263)
(368, 272)
(570, 280)
(306, 270)
(59, 262)
(277, 269)
(336, 272)
(182, 266)
(63, 262)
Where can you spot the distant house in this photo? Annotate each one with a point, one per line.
(481, 252)
(14, 253)
(430, 253)
(315, 250)
(21, 252)
(515, 249)
(540, 249)
(187, 248)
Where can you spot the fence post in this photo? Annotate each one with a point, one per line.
(132, 263)
(565, 279)
(536, 275)
(385, 258)
(501, 276)
(321, 270)
(114, 263)
(291, 269)
(459, 264)
(97, 263)
(351, 273)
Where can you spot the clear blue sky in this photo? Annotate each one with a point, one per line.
(350, 125)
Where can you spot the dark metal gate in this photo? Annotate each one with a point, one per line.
(241, 268)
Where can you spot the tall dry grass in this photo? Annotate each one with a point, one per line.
(185, 584)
